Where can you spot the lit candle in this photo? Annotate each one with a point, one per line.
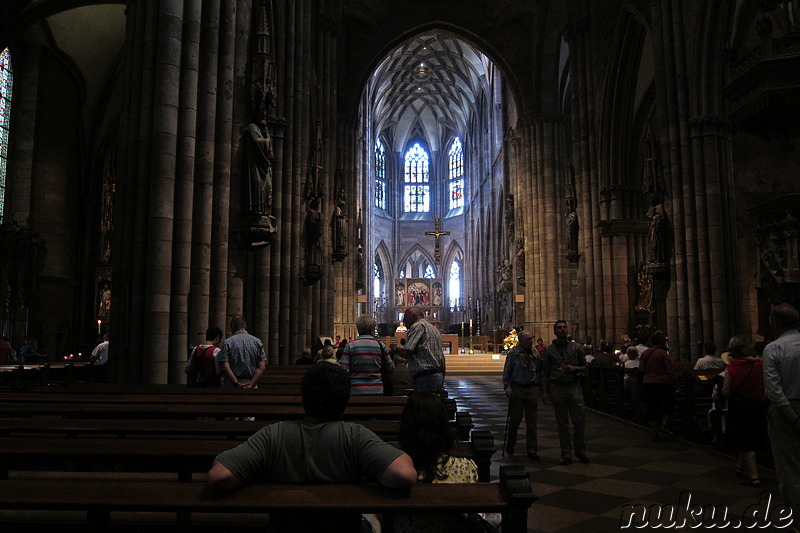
(98, 327)
(470, 326)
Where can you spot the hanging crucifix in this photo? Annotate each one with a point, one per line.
(437, 256)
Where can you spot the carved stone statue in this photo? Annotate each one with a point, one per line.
(520, 262)
(339, 229)
(656, 233)
(572, 228)
(312, 231)
(259, 169)
(504, 272)
(645, 282)
(509, 216)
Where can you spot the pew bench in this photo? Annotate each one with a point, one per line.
(343, 505)
(181, 456)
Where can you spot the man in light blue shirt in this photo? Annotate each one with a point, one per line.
(782, 387)
(242, 356)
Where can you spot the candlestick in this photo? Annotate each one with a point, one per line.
(98, 327)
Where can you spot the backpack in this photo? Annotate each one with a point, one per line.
(194, 369)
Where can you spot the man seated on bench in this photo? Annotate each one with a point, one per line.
(318, 449)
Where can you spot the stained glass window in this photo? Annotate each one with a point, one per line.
(456, 174)
(376, 281)
(380, 175)
(417, 192)
(429, 272)
(6, 79)
(454, 287)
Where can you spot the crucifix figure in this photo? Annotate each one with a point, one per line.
(437, 256)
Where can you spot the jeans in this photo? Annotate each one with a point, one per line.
(568, 404)
(523, 399)
(432, 382)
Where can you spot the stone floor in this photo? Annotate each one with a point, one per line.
(626, 468)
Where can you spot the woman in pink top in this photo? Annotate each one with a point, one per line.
(658, 386)
(747, 407)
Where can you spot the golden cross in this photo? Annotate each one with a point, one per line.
(437, 233)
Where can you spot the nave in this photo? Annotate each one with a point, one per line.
(625, 468)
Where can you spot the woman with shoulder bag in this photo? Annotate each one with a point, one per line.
(658, 386)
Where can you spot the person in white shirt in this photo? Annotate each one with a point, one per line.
(100, 353)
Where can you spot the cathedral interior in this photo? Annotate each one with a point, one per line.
(168, 165)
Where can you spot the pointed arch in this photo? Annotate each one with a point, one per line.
(624, 87)
(413, 263)
(454, 254)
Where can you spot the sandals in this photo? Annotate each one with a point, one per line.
(755, 483)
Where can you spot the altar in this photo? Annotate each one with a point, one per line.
(449, 342)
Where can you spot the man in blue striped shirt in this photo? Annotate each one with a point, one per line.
(364, 357)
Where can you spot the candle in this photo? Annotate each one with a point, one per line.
(98, 327)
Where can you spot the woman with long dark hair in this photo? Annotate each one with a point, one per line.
(426, 436)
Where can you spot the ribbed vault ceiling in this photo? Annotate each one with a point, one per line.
(431, 82)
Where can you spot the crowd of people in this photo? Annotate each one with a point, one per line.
(759, 383)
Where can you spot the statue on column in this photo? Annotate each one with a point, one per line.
(259, 158)
(645, 282)
(572, 230)
(312, 231)
(572, 215)
(259, 168)
(657, 231)
(312, 225)
(520, 261)
(339, 228)
(653, 184)
(504, 283)
(509, 216)
(258, 228)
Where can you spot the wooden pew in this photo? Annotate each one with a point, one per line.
(243, 397)
(137, 428)
(176, 410)
(512, 497)
(182, 456)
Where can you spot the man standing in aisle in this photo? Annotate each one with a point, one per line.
(782, 386)
(423, 349)
(520, 374)
(242, 357)
(563, 363)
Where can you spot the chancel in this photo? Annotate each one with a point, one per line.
(626, 167)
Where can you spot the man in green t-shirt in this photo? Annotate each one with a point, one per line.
(318, 449)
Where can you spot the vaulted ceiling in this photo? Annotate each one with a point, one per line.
(433, 82)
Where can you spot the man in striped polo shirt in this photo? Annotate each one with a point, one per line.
(364, 357)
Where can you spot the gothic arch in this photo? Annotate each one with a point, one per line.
(619, 102)
(364, 65)
(407, 258)
(382, 253)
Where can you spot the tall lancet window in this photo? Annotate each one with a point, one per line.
(417, 191)
(376, 282)
(456, 174)
(5, 121)
(380, 175)
(454, 286)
